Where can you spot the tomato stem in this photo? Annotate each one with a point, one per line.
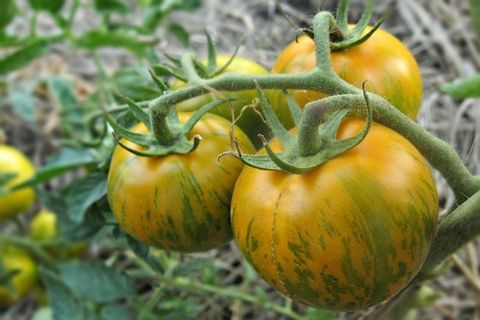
(161, 130)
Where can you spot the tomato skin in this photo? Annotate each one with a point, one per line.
(14, 161)
(382, 60)
(250, 122)
(347, 235)
(16, 259)
(178, 202)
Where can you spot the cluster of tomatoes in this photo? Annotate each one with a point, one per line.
(43, 227)
(347, 235)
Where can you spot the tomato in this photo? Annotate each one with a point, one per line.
(16, 259)
(13, 161)
(347, 235)
(44, 227)
(382, 60)
(178, 202)
(250, 122)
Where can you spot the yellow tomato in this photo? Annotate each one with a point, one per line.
(15, 162)
(16, 259)
(383, 61)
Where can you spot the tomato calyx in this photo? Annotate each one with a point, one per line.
(316, 141)
(168, 136)
(341, 36)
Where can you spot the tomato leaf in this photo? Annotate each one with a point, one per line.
(463, 88)
(192, 266)
(96, 39)
(24, 105)
(115, 312)
(83, 193)
(111, 6)
(25, 55)
(139, 248)
(475, 14)
(65, 303)
(52, 6)
(8, 12)
(180, 33)
(67, 159)
(96, 281)
(136, 84)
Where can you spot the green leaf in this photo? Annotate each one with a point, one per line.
(84, 192)
(96, 281)
(24, 105)
(25, 55)
(475, 15)
(111, 6)
(65, 304)
(8, 12)
(180, 33)
(116, 312)
(96, 39)
(67, 159)
(463, 88)
(135, 83)
(52, 6)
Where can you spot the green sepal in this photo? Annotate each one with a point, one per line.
(183, 147)
(168, 70)
(355, 38)
(292, 160)
(138, 112)
(159, 82)
(294, 108)
(144, 140)
(212, 54)
(192, 121)
(342, 15)
(278, 130)
(220, 69)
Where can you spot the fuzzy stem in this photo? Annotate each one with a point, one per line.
(309, 140)
(438, 153)
(189, 68)
(454, 231)
(322, 24)
(161, 131)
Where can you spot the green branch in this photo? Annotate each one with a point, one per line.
(454, 231)
(234, 293)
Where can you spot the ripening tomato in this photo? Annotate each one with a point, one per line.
(178, 202)
(347, 235)
(14, 162)
(382, 60)
(250, 122)
(13, 258)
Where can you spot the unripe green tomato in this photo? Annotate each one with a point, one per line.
(44, 227)
(15, 162)
(13, 258)
(250, 122)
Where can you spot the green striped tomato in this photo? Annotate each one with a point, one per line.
(382, 60)
(349, 234)
(178, 202)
